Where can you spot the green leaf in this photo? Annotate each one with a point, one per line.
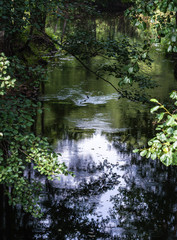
(130, 70)
(148, 154)
(169, 49)
(160, 116)
(144, 25)
(163, 158)
(154, 100)
(144, 55)
(175, 145)
(127, 80)
(169, 160)
(173, 38)
(143, 153)
(173, 95)
(170, 121)
(136, 150)
(154, 109)
(161, 136)
(175, 49)
(170, 130)
(154, 156)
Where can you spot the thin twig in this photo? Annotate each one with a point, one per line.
(85, 66)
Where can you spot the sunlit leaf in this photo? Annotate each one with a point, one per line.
(143, 153)
(154, 100)
(154, 109)
(136, 150)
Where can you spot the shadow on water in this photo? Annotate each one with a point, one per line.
(115, 193)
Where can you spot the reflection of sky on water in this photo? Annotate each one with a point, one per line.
(88, 153)
(83, 157)
(98, 147)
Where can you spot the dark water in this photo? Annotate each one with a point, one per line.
(115, 193)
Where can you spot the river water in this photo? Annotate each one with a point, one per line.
(115, 193)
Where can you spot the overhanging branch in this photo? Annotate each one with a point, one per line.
(121, 92)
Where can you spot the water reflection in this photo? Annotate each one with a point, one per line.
(117, 196)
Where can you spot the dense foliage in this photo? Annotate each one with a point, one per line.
(21, 150)
(164, 144)
(6, 80)
(159, 21)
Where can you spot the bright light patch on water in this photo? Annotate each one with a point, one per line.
(98, 149)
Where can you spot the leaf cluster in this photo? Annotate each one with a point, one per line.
(160, 17)
(6, 81)
(164, 145)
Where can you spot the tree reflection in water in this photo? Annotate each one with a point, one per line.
(146, 206)
(134, 198)
(143, 204)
